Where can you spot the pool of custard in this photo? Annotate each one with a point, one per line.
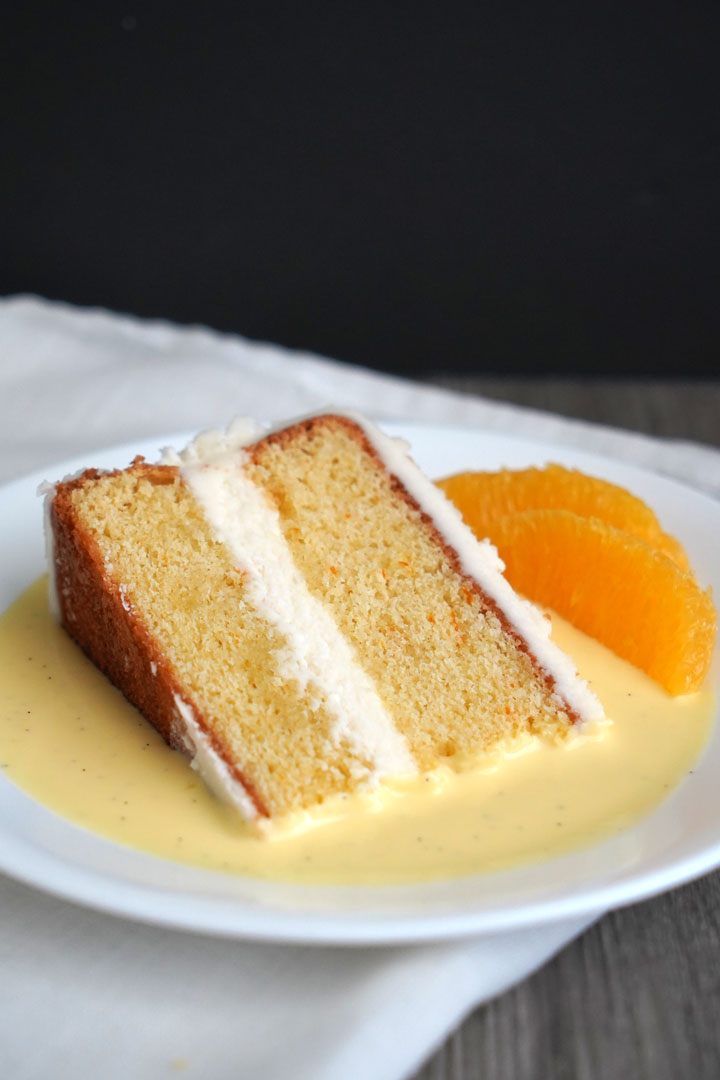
(70, 739)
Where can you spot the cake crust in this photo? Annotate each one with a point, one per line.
(110, 631)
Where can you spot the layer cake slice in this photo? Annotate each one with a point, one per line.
(303, 614)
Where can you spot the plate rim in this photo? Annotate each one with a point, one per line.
(148, 904)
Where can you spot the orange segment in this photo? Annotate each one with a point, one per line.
(483, 497)
(614, 587)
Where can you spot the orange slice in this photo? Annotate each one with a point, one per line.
(483, 497)
(615, 587)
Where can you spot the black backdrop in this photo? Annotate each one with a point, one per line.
(470, 188)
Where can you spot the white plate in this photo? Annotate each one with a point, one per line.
(677, 842)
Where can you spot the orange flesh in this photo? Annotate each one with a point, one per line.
(597, 555)
(483, 497)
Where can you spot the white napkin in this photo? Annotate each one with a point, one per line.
(85, 994)
(75, 380)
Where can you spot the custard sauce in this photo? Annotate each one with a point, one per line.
(69, 739)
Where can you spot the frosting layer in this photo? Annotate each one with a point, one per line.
(317, 657)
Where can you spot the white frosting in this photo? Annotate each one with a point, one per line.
(211, 445)
(209, 765)
(317, 658)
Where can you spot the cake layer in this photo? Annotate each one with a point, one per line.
(453, 675)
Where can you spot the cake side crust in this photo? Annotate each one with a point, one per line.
(96, 614)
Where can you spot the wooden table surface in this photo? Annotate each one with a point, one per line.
(638, 995)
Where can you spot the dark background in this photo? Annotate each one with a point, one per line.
(472, 188)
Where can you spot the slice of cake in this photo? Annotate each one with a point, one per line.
(303, 614)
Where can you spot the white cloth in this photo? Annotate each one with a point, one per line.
(85, 994)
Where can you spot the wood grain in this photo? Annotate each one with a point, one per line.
(638, 995)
